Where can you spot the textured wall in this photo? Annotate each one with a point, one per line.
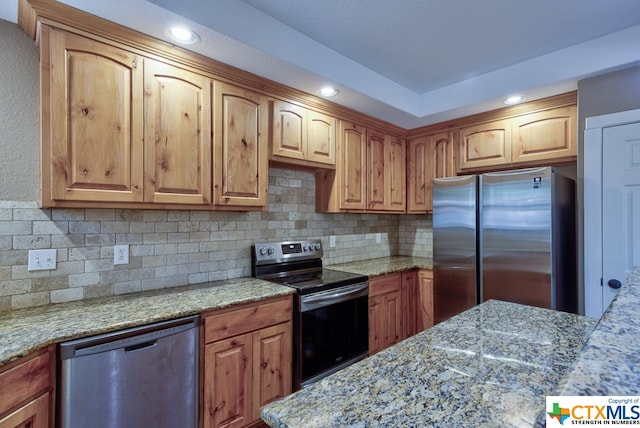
(19, 115)
(169, 248)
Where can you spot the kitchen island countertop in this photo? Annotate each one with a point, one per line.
(490, 366)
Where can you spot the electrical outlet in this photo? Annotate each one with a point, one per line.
(120, 254)
(378, 238)
(332, 241)
(42, 259)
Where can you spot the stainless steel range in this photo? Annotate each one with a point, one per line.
(330, 319)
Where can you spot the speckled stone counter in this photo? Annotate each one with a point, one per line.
(26, 330)
(609, 364)
(491, 366)
(384, 265)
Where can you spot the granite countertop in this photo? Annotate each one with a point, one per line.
(23, 331)
(608, 364)
(492, 365)
(384, 265)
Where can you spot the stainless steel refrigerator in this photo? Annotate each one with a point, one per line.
(507, 235)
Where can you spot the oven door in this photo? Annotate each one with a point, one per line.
(332, 331)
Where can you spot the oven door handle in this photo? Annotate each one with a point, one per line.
(331, 297)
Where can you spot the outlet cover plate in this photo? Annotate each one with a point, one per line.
(120, 254)
(42, 259)
(378, 238)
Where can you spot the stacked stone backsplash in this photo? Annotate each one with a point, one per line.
(171, 248)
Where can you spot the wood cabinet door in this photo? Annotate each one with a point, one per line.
(92, 106)
(385, 312)
(271, 365)
(425, 299)
(376, 183)
(396, 175)
(546, 135)
(241, 147)
(352, 166)
(321, 141)
(444, 164)
(227, 382)
(409, 303)
(420, 173)
(177, 135)
(289, 130)
(34, 414)
(485, 145)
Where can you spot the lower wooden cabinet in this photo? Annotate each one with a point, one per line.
(424, 299)
(400, 305)
(26, 391)
(385, 312)
(247, 361)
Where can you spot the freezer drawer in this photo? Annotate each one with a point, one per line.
(139, 377)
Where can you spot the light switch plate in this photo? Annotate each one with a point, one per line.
(42, 259)
(332, 241)
(120, 254)
(378, 238)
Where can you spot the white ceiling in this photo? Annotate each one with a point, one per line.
(409, 62)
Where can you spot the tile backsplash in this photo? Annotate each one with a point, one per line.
(170, 248)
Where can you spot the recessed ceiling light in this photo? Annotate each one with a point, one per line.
(327, 91)
(515, 99)
(182, 35)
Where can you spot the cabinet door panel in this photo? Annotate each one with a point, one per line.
(289, 130)
(177, 135)
(376, 171)
(396, 173)
(241, 158)
(352, 166)
(420, 174)
(227, 382)
(271, 365)
(96, 120)
(409, 303)
(488, 144)
(443, 155)
(425, 299)
(34, 414)
(321, 143)
(545, 135)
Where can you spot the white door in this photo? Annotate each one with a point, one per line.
(620, 206)
(611, 205)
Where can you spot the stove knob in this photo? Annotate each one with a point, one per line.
(317, 247)
(263, 251)
(306, 247)
(271, 250)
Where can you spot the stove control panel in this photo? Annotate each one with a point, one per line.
(277, 252)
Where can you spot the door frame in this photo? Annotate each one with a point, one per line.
(592, 197)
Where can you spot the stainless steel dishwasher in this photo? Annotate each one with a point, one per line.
(139, 377)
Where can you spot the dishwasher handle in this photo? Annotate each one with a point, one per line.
(129, 339)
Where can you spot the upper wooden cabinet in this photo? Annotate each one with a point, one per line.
(177, 122)
(119, 129)
(241, 170)
(428, 157)
(92, 120)
(301, 136)
(547, 136)
(386, 172)
(487, 144)
(370, 173)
